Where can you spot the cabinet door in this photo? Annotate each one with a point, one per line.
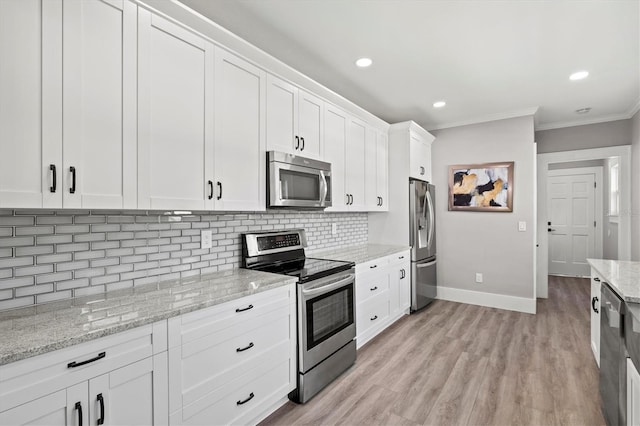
(282, 109)
(355, 164)
(405, 284)
(239, 149)
(417, 157)
(335, 133)
(124, 396)
(595, 316)
(30, 103)
(47, 410)
(382, 170)
(633, 394)
(372, 198)
(99, 104)
(310, 117)
(175, 113)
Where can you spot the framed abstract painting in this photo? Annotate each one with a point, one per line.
(486, 187)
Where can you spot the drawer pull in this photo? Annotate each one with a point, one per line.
(244, 401)
(78, 364)
(400, 257)
(374, 318)
(101, 401)
(78, 408)
(245, 348)
(374, 288)
(373, 266)
(244, 309)
(596, 279)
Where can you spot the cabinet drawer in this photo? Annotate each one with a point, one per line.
(31, 378)
(270, 377)
(371, 284)
(207, 322)
(372, 265)
(217, 359)
(372, 313)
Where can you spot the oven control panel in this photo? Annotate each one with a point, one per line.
(270, 242)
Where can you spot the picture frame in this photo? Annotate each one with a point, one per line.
(485, 187)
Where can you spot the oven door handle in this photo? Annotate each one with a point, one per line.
(329, 287)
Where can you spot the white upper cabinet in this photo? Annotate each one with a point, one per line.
(420, 156)
(30, 103)
(240, 147)
(355, 165)
(335, 134)
(376, 170)
(294, 119)
(99, 104)
(175, 113)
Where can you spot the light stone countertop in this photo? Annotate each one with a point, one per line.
(623, 277)
(360, 253)
(27, 332)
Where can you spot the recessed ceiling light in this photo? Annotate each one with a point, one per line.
(583, 110)
(579, 75)
(364, 62)
(439, 104)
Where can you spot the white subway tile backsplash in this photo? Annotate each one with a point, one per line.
(53, 255)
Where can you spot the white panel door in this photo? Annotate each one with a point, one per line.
(282, 116)
(310, 131)
(382, 170)
(123, 396)
(99, 104)
(355, 164)
(335, 134)
(571, 204)
(175, 113)
(239, 149)
(46, 411)
(30, 103)
(372, 198)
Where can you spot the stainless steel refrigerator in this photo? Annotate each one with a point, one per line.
(422, 228)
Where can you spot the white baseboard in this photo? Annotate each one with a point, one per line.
(491, 300)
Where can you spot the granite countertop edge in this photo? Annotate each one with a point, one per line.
(621, 288)
(359, 253)
(82, 336)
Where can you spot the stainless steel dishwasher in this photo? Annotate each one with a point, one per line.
(613, 367)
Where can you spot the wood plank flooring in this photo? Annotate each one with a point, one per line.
(456, 364)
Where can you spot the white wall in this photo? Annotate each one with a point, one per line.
(470, 242)
(635, 187)
(598, 135)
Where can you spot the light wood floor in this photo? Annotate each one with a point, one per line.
(456, 364)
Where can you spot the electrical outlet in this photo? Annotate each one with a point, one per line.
(334, 228)
(205, 239)
(522, 226)
(478, 277)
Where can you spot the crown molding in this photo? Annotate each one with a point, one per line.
(487, 118)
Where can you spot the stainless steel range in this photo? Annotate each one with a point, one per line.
(326, 305)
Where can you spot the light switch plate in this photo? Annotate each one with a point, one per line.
(205, 239)
(522, 226)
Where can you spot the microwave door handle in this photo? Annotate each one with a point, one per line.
(323, 187)
(429, 204)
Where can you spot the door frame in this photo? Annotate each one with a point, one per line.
(598, 213)
(624, 230)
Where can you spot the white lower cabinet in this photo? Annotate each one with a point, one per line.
(235, 362)
(596, 282)
(120, 379)
(633, 394)
(382, 294)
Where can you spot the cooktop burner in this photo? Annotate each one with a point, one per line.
(308, 268)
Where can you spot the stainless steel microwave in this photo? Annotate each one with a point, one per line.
(296, 181)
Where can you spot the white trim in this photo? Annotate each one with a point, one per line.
(490, 300)
(487, 118)
(624, 229)
(595, 120)
(634, 109)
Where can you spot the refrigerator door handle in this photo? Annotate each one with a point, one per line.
(424, 265)
(429, 202)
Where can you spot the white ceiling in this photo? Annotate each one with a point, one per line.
(486, 59)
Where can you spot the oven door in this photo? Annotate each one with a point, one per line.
(326, 318)
(291, 185)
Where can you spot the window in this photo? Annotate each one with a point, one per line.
(614, 189)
